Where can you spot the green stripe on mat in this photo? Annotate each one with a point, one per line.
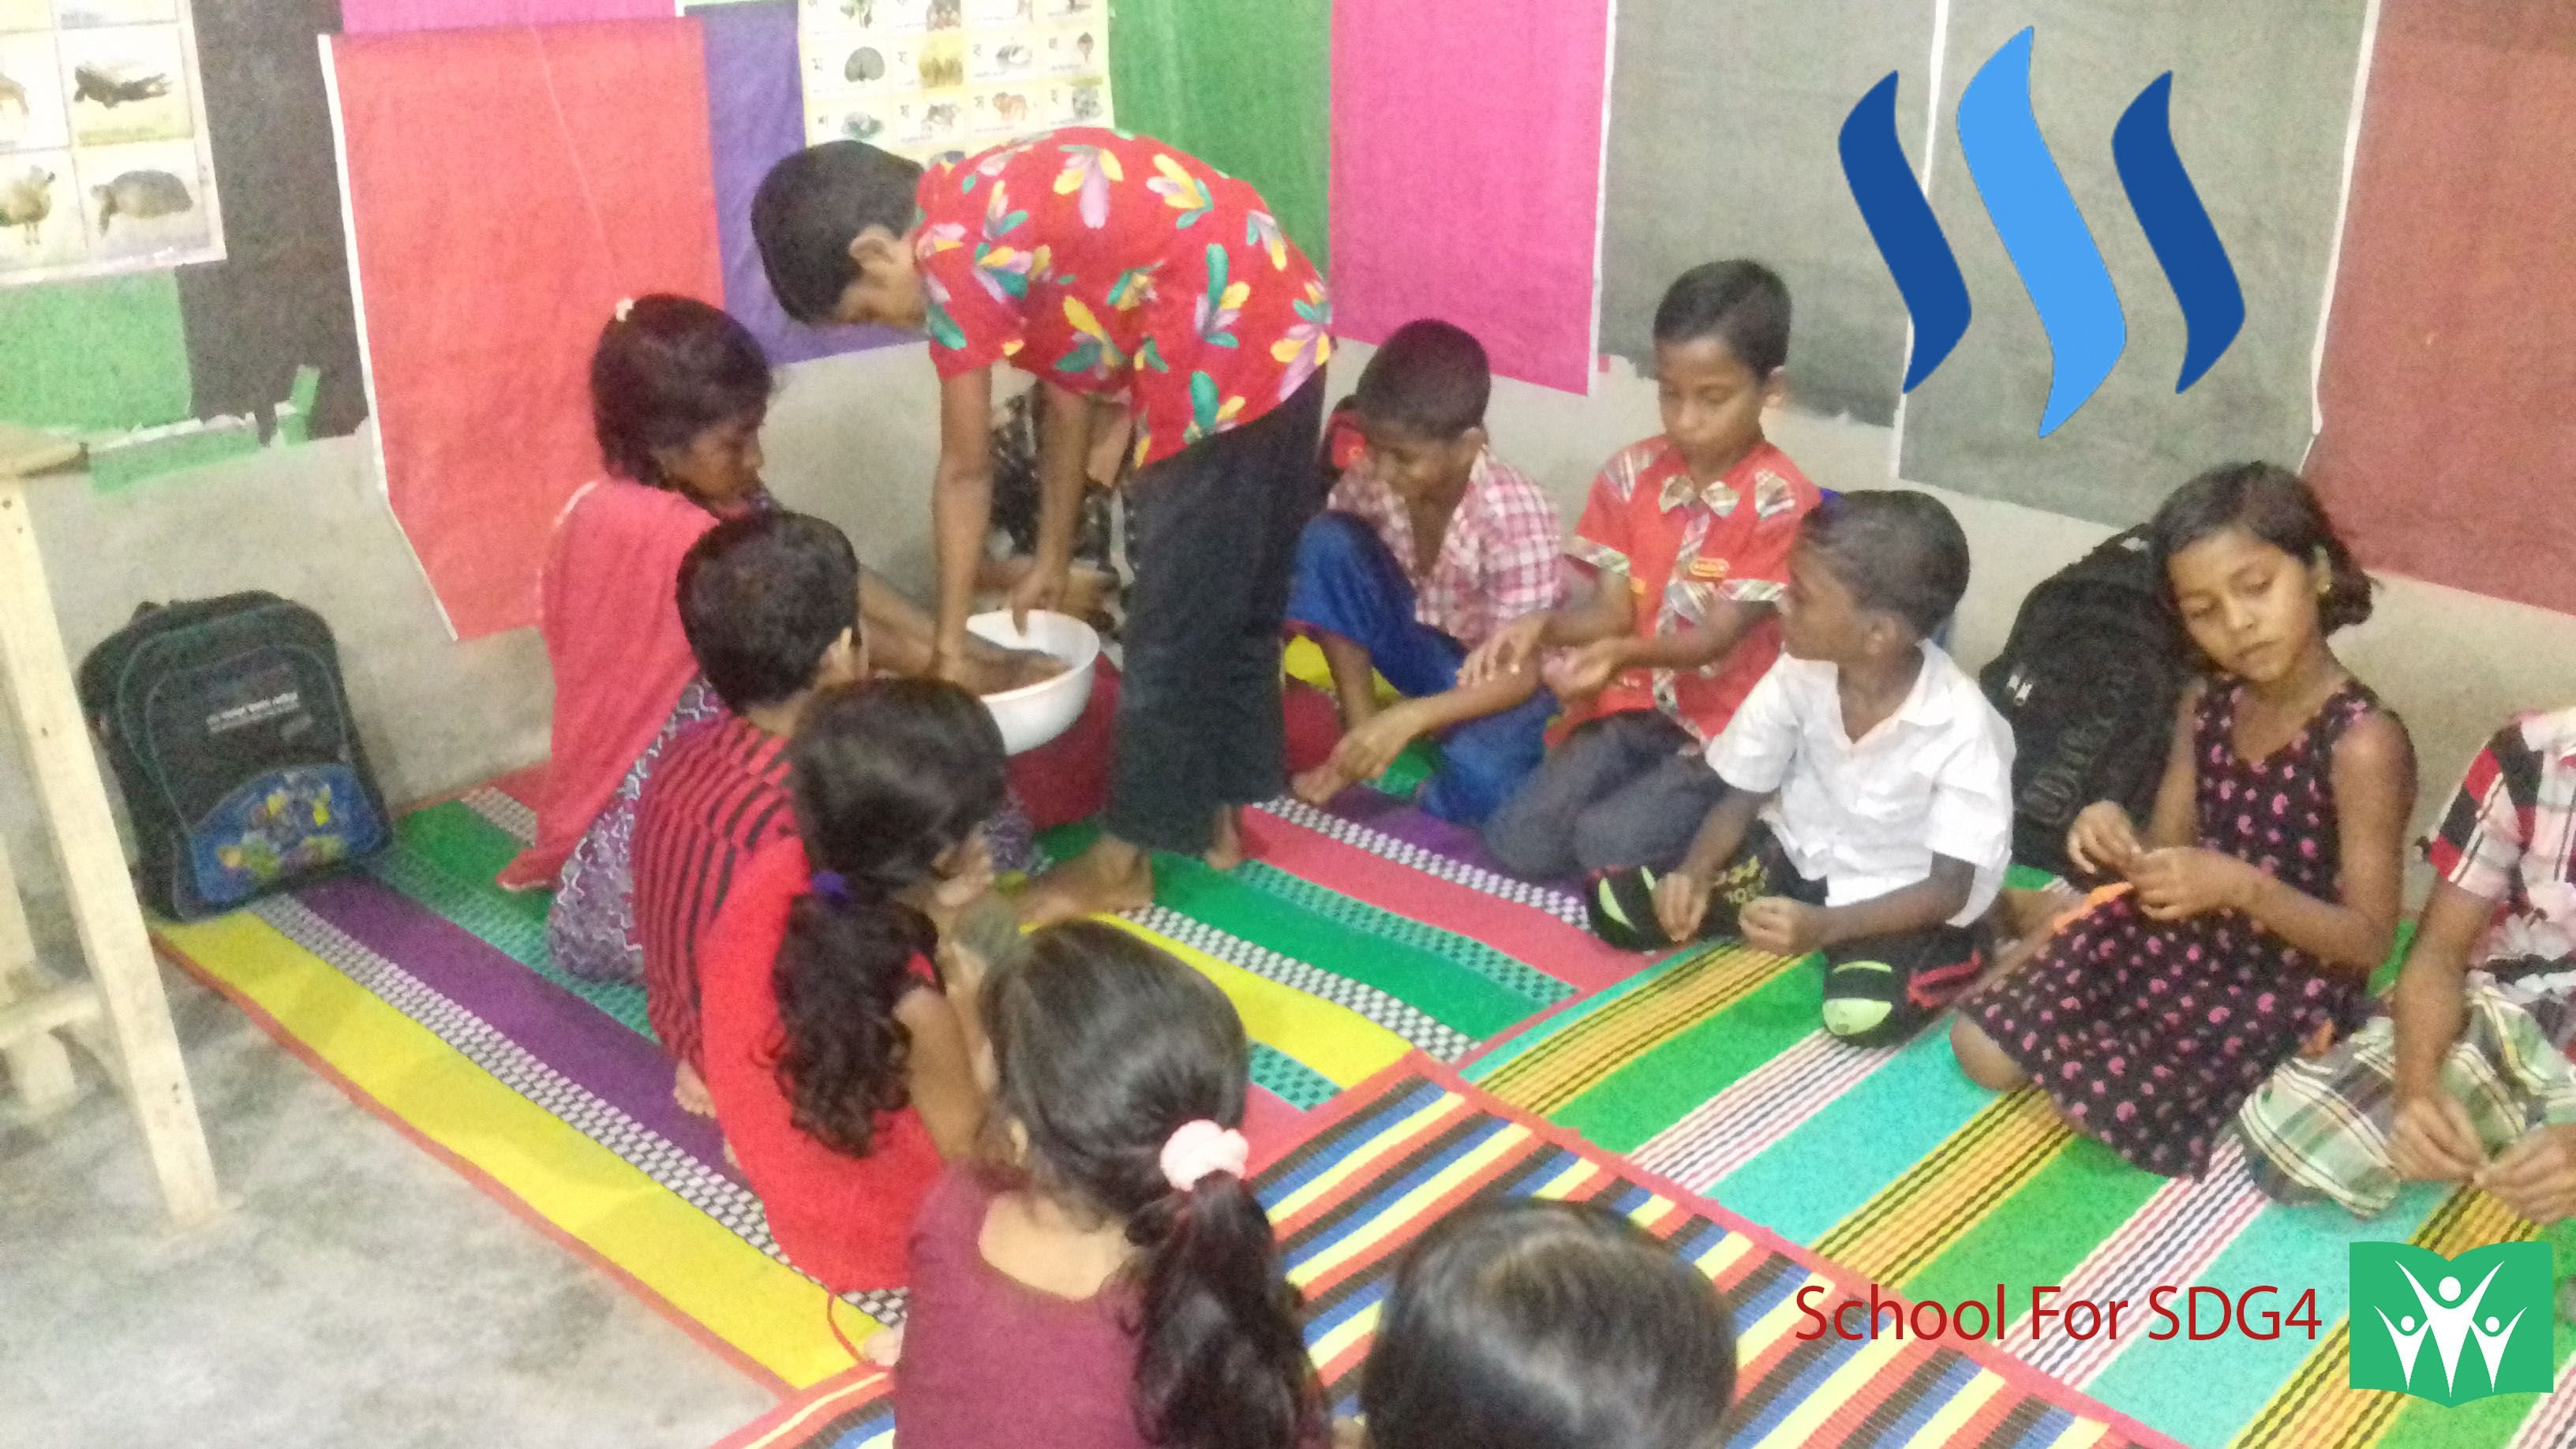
(1290, 1080)
(1651, 1093)
(1482, 1070)
(2039, 1234)
(445, 858)
(1446, 985)
(1517, 977)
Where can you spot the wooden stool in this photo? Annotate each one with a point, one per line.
(139, 1048)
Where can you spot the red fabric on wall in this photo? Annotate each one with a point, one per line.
(506, 188)
(2449, 386)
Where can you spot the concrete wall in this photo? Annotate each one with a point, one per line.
(853, 439)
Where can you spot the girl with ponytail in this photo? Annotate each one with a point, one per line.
(840, 1070)
(1112, 1283)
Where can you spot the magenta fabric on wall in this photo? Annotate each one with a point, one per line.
(1466, 180)
(373, 17)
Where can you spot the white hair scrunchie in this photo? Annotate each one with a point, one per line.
(625, 308)
(1200, 1147)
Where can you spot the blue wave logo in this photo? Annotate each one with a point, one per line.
(2042, 230)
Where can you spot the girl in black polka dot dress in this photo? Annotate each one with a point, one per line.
(2265, 889)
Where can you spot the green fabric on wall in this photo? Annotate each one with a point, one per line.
(1247, 88)
(100, 354)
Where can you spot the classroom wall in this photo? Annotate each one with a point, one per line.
(852, 438)
(2454, 664)
(849, 438)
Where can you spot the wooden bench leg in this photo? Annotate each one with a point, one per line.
(104, 909)
(39, 1068)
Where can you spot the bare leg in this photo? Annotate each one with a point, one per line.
(690, 1091)
(1355, 687)
(1985, 1063)
(1225, 852)
(1113, 875)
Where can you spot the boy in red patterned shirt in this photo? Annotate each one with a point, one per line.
(1110, 266)
(1687, 538)
(767, 603)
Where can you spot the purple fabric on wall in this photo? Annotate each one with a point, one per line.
(755, 115)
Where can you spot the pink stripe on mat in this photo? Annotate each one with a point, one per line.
(1522, 932)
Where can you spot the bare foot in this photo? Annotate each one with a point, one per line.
(1225, 852)
(1111, 876)
(884, 1348)
(690, 1091)
(1320, 784)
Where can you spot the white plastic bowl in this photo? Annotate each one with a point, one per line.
(1033, 714)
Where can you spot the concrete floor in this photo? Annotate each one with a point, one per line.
(359, 1295)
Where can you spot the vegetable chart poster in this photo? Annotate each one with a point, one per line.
(104, 162)
(936, 78)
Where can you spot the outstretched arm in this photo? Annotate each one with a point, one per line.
(961, 509)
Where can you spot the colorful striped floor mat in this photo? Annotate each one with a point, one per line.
(1708, 1071)
(1390, 1157)
(426, 992)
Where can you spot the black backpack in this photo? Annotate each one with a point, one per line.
(228, 727)
(2089, 680)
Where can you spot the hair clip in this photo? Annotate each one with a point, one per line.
(832, 886)
(625, 308)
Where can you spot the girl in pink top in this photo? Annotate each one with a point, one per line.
(1117, 1285)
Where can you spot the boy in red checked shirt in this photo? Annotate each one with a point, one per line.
(1687, 538)
(1112, 267)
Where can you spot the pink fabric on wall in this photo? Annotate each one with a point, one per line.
(506, 188)
(369, 17)
(1466, 179)
(2449, 386)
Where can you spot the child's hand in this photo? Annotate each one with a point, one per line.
(1782, 926)
(966, 876)
(1681, 904)
(1509, 651)
(2432, 1140)
(2536, 1176)
(2181, 881)
(1580, 674)
(2103, 840)
(1365, 752)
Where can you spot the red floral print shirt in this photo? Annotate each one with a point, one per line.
(1107, 262)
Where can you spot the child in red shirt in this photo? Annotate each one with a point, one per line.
(769, 604)
(1114, 268)
(1687, 539)
(840, 1070)
(1118, 1286)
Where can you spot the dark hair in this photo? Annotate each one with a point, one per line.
(888, 777)
(762, 598)
(1106, 1046)
(1428, 377)
(813, 204)
(1896, 550)
(2275, 505)
(1742, 304)
(666, 371)
(1533, 1324)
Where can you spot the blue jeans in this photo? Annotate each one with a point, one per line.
(1348, 584)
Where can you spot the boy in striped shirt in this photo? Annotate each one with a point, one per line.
(768, 602)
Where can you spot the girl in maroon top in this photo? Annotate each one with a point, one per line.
(1118, 1286)
(840, 1072)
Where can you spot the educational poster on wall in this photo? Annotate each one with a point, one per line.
(104, 161)
(938, 78)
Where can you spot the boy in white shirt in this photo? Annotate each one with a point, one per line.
(1868, 804)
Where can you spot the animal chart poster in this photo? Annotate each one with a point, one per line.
(104, 161)
(938, 78)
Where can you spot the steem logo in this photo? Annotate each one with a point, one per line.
(2415, 1314)
(2042, 230)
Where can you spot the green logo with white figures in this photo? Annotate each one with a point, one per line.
(2451, 1329)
